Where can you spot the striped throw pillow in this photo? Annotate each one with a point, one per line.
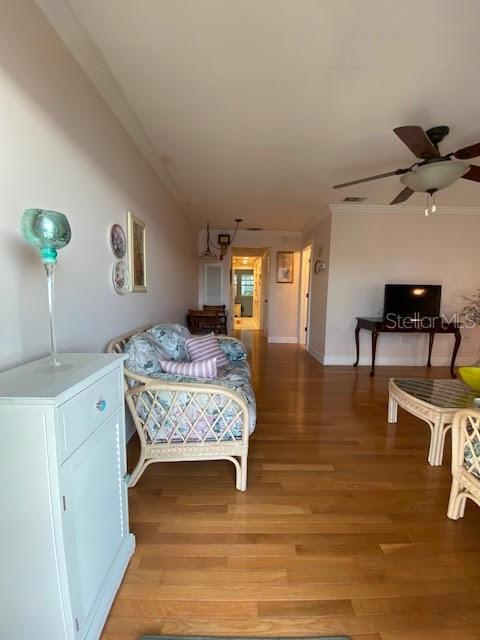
(202, 347)
(199, 369)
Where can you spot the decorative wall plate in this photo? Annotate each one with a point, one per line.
(118, 241)
(120, 277)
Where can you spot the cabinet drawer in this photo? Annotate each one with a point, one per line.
(84, 413)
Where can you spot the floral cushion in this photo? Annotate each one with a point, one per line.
(213, 416)
(171, 338)
(144, 355)
(181, 416)
(233, 348)
(472, 453)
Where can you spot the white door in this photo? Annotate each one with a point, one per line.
(214, 283)
(93, 494)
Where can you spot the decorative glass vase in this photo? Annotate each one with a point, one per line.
(48, 231)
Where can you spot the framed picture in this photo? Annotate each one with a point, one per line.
(137, 245)
(285, 266)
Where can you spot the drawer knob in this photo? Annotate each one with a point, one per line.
(101, 405)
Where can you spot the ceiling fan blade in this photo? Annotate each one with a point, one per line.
(473, 151)
(417, 141)
(403, 195)
(473, 173)
(377, 177)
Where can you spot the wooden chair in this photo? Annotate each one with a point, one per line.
(207, 320)
(465, 462)
(218, 308)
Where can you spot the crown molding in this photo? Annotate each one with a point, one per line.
(78, 41)
(385, 209)
(311, 224)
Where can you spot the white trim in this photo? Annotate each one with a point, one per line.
(400, 361)
(315, 353)
(385, 209)
(281, 339)
(316, 219)
(304, 335)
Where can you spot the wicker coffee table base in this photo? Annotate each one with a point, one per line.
(439, 419)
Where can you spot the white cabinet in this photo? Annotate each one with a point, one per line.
(64, 538)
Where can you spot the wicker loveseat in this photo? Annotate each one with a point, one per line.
(465, 462)
(181, 418)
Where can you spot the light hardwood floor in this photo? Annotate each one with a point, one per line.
(342, 530)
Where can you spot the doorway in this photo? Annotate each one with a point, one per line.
(304, 318)
(249, 299)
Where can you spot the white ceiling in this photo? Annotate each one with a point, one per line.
(258, 106)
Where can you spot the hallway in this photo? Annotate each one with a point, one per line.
(342, 529)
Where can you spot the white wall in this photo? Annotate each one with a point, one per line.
(283, 299)
(62, 148)
(368, 250)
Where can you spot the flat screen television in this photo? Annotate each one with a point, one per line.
(412, 301)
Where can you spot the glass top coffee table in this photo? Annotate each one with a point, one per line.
(435, 402)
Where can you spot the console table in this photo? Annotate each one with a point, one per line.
(379, 325)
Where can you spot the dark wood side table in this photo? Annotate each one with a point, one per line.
(432, 326)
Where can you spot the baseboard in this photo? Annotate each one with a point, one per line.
(281, 339)
(396, 361)
(318, 355)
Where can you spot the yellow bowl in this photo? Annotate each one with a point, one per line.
(470, 376)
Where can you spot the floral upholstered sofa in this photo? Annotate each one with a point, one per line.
(179, 417)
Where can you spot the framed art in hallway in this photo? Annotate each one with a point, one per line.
(137, 241)
(285, 267)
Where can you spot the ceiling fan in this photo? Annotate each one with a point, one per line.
(434, 171)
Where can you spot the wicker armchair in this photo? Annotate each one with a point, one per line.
(465, 462)
(168, 417)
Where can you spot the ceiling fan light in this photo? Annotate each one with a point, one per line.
(434, 176)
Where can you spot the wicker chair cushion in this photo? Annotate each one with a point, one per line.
(144, 355)
(232, 348)
(472, 457)
(235, 376)
(171, 338)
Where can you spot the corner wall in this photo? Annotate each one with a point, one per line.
(63, 149)
(369, 250)
(364, 251)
